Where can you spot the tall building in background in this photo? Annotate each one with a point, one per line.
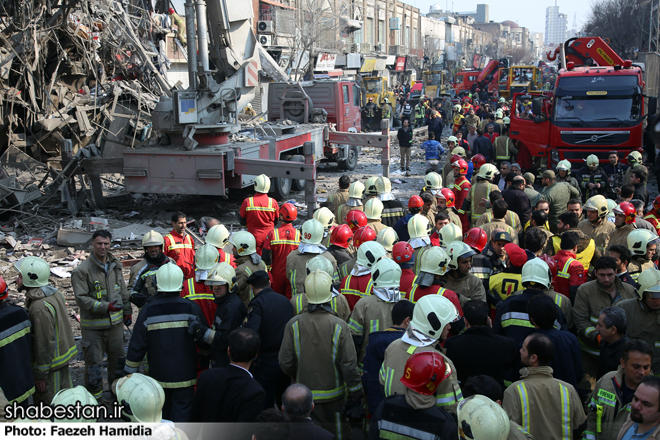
(556, 25)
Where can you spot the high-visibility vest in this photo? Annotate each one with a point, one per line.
(583, 257)
(563, 273)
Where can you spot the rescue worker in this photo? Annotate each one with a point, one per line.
(592, 297)
(419, 230)
(634, 159)
(75, 397)
(478, 160)
(458, 278)
(557, 194)
(195, 289)
(16, 377)
(249, 110)
(482, 268)
(248, 261)
(609, 404)
(446, 202)
(474, 204)
(218, 236)
(642, 312)
(175, 368)
(143, 399)
(457, 119)
(341, 196)
(309, 247)
(545, 407)
(179, 245)
(53, 346)
(370, 190)
(414, 414)
(354, 201)
(500, 215)
(433, 186)
(653, 216)
(592, 178)
(564, 175)
(369, 113)
(142, 279)
(387, 238)
(503, 284)
(587, 253)
(447, 173)
(101, 295)
(402, 254)
(595, 225)
(482, 419)
(259, 212)
(280, 242)
(449, 234)
(420, 114)
(511, 218)
(393, 209)
(373, 209)
(180, 25)
(387, 112)
(318, 352)
(571, 274)
(505, 148)
(624, 220)
(358, 283)
(642, 245)
(362, 235)
(355, 219)
(415, 204)
(431, 323)
(340, 242)
(461, 188)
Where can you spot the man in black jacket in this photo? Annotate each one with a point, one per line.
(405, 137)
(231, 394)
(638, 179)
(297, 405)
(518, 201)
(612, 325)
(483, 145)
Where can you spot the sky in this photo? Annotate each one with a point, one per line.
(527, 13)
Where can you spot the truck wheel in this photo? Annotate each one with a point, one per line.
(295, 110)
(351, 161)
(281, 188)
(297, 184)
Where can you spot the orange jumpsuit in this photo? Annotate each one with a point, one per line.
(405, 284)
(202, 295)
(654, 218)
(461, 189)
(281, 242)
(354, 287)
(570, 273)
(225, 257)
(260, 213)
(182, 251)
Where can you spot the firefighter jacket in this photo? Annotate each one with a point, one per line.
(500, 223)
(654, 218)
(95, 286)
(406, 282)
(53, 345)
(203, 295)
(354, 287)
(420, 112)
(639, 265)
(620, 235)
(461, 189)
(393, 210)
(505, 149)
(606, 412)
(564, 303)
(161, 333)
(467, 287)
(557, 195)
(370, 110)
(545, 407)
(226, 257)
(453, 217)
(229, 315)
(571, 181)
(471, 205)
(338, 304)
(337, 199)
(16, 377)
(371, 314)
(386, 111)
(182, 250)
(570, 274)
(589, 301)
(260, 213)
(318, 351)
(503, 284)
(511, 218)
(448, 393)
(267, 314)
(344, 209)
(644, 324)
(142, 280)
(246, 267)
(587, 252)
(599, 233)
(296, 269)
(598, 177)
(483, 269)
(279, 244)
(376, 225)
(447, 173)
(417, 292)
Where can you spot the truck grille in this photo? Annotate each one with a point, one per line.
(592, 138)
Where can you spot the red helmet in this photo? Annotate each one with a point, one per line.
(478, 89)
(4, 291)
(402, 252)
(171, 11)
(455, 157)
(363, 234)
(341, 236)
(356, 219)
(476, 238)
(628, 210)
(462, 166)
(656, 203)
(288, 212)
(448, 195)
(417, 202)
(424, 372)
(478, 160)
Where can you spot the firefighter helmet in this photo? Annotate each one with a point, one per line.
(433, 181)
(402, 252)
(487, 172)
(501, 101)
(318, 287)
(356, 219)
(649, 281)
(597, 203)
(387, 237)
(457, 250)
(454, 158)
(169, 278)
(634, 158)
(476, 238)
(458, 151)
(325, 216)
(369, 253)
(638, 239)
(453, 139)
(244, 242)
(356, 190)
(373, 209)
(478, 160)
(218, 236)
(457, 108)
(417, 202)
(536, 270)
(321, 263)
(626, 209)
(312, 232)
(152, 238)
(34, 271)
(363, 235)
(221, 273)
(419, 226)
(288, 212)
(4, 290)
(262, 184)
(142, 398)
(461, 165)
(424, 372)
(434, 260)
(383, 185)
(431, 315)
(370, 186)
(341, 236)
(206, 256)
(564, 165)
(386, 273)
(482, 419)
(592, 161)
(71, 397)
(506, 120)
(656, 204)
(450, 233)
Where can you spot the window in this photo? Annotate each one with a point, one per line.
(345, 91)
(356, 96)
(381, 32)
(370, 30)
(265, 13)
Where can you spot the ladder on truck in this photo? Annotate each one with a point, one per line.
(181, 48)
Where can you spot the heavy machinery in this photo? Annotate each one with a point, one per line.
(434, 84)
(596, 106)
(518, 79)
(376, 87)
(470, 80)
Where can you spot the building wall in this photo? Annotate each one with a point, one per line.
(556, 24)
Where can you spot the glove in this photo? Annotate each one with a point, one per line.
(112, 307)
(139, 299)
(196, 329)
(353, 410)
(128, 320)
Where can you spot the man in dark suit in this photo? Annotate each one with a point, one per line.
(297, 404)
(478, 350)
(230, 394)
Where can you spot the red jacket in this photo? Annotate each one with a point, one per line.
(202, 295)
(461, 190)
(281, 242)
(418, 292)
(354, 287)
(405, 284)
(492, 137)
(570, 273)
(182, 251)
(225, 257)
(654, 218)
(435, 238)
(260, 213)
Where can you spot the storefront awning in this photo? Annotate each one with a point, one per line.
(369, 65)
(381, 64)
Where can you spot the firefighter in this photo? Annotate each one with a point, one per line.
(249, 110)
(503, 284)
(564, 175)
(634, 159)
(653, 216)
(415, 204)
(142, 281)
(478, 160)
(461, 188)
(370, 190)
(571, 273)
(387, 238)
(458, 278)
(449, 234)
(72, 397)
(259, 212)
(482, 268)
(340, 241)
(373, 312)
(480, 418)
(175, 367)
(505, 148)
(642, 245)
(447, 173)
(195, 289)
(309, 247)
(358, 283)
(373, 209)
(53, 346)
(248, 261)
(393, 209)
(595, 224)
(354, 202)
(341, 196)
(180, 26)
(101, 294)
(370, 113)
(420, 114)
(414, 415)
(280, 242)
(16, 377)
(429, 279)
(362, 235)
(624, 221)
(587, 253)
(474, 204)
(179, 245)
(402, 254)
(318, 352)
(143, 398)
(592, 178)
(386, 111)
(429, 326)
(419, 230)
(218, 236)
(327, 219)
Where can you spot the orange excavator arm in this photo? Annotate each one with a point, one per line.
(588, 51)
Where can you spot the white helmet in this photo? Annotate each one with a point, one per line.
(383, 185)
(244, 242)
(434, 261)
(638, 239)
(488, 171)
(431, 315)
(564, 165)
(70, 397)
(318, 287)
(321, 263)
(373, 209)
(370, 186)
(599, 204)
(433, 181)
(453, 139)
(419, 226)
(262, 184)
(479, 418)
(218, 236)
(152, 238)
(325, 216)
(386, 273)
(387, 237)
(312, 232)
(169, 278)
(369, 253)
(142, 397)
(649, 281)
(457, 250)
(450, 233)
(221, 273)
(592, 160)
(356, 190)
(536, 270)
(34, 271)
(206, 256)
(634, 158)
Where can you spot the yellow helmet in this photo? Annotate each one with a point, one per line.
(262, 184)
(221, 273)
(218, 236)
(318, 287)
(34, 271)
(369, 253)
(356, 190)
(597, 203)
(386, 273)
(450, 233)
(435, 261)
(152, 238)
(592, 160)
(142, 396)
(458, 150)
(634, 158)
(325, 217)
(373, 209)
(419, 226)
(383, 185)
(370, 186)
(312, 232)
(638, 240)
(387, 237)
(566, 165)
(482, 419)
(433, 181)
(649, 281)
(321, 263)
(244, 242)
(488, 171)
(206, 257)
